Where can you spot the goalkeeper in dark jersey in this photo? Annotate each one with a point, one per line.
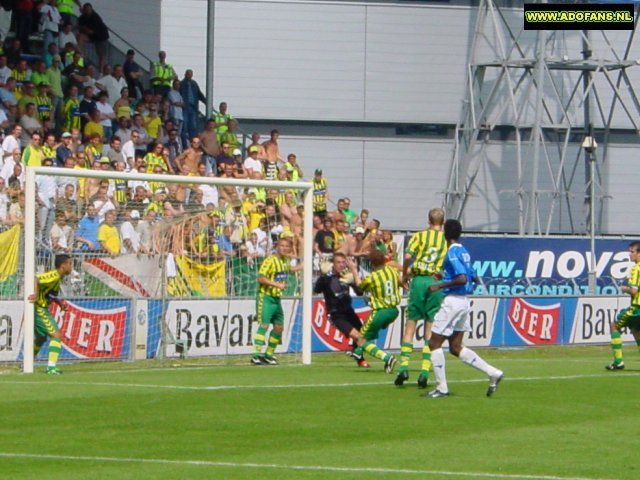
(45, 326)
(334, 285)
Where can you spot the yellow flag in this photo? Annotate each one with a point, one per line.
(9, 247)
(207, 280)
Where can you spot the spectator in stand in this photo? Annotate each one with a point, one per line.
(16, 211)
(349, 215)
(251, 163)
(67, 9)
(92, 29)
(174, 147)
(39, 73)
(71, 110)
(66, 35)
(291, 166)
(12, 170)
(324, 240)
(114, 154)
(222, 159)
(23, 19)
(272, 150)
(103, 200)
(87, 105)
(44, 105)
(320, 194)
(32, 155)
(221, 120)
(50, 20)
(47, 57)
(155, 158)
(64, 149)
(139, 135)
(124, 128)
(113, 83)
(94, 126)
(129, 234)
(252, 249)
(61, 234)
(45, 200)
(123, 110)
(106, 114)
(63, 183)
(132, 74)
(255, 142)
(86, 235)
(176, 113)
(210, 147)
(192, 96)
(4, 204)
(75, 73)
(140, 200)
(67, 203)
(11, 143)
(5, 72)
(54, 79)
(8, 98)
(27, 96)
(152, 122)
(162, 75)
(108, 234)
(93, 148)
(49, 146)
(22, 74)
(14, 52)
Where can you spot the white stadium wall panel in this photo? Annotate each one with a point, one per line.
(137, 22)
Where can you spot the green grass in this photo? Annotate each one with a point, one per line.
(328, 420)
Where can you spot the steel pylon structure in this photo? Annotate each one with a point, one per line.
(536, 94)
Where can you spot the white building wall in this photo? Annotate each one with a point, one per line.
(137, 22)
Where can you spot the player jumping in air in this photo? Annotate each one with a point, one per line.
(45, 326)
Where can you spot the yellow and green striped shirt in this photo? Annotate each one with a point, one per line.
(319, 195)
(384, 286)
(48, 284)
(277, 269)
(634, 281)
(428, 249)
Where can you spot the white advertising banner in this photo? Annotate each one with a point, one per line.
(220, 327)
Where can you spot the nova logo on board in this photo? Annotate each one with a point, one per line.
(535, 324)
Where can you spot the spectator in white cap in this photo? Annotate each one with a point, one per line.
(130, 236)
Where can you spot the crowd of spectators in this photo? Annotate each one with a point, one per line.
(57, 111)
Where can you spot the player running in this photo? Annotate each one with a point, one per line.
(45, 326)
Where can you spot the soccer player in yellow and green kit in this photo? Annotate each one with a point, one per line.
(45, 326)
(422, 263)
(630, 316)
(272, 280)
(383, 285)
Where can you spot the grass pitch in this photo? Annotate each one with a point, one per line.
(557, 415)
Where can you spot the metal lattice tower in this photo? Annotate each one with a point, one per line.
(540, 92)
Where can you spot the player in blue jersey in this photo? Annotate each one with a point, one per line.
(452, 320)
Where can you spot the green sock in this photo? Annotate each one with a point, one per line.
(426, 361)
(259, 340)
(406, 349)
(374, 351)
(616, 346)
(274, 341)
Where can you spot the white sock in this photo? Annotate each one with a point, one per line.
(438, 362)
(472, 359)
